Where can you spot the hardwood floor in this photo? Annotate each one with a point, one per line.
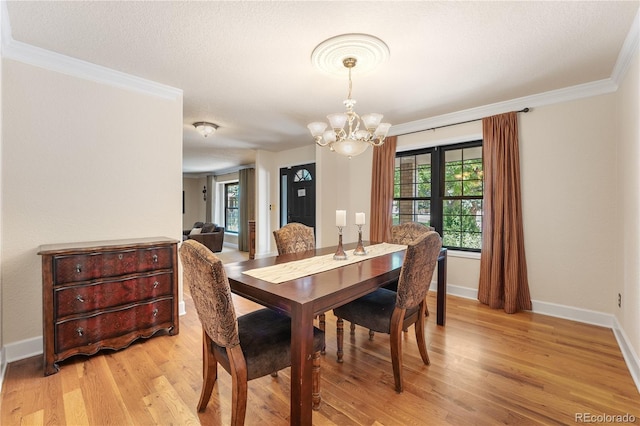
(487, 367)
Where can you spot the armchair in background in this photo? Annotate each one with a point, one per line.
(196, 228)
(210, 235)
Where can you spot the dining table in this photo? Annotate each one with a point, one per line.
(304, 297)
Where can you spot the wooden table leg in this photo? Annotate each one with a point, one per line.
(301, 365)
(442, 287)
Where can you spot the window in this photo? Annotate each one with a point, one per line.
(231, 215)
(442, 187)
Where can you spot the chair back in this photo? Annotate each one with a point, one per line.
(209, 287)
(417, 270)
(407, 232)
(294, 238)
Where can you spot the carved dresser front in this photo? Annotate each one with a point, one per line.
(106, 294)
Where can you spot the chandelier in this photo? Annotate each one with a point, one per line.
(350, 134)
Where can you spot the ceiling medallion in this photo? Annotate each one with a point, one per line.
(367, 50)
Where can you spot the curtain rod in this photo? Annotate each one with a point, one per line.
(525, 110)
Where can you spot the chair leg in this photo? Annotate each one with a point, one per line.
(420, 330)
(322, 325)
(274, 374)
(315, 382)
(340, 336)
(395, 342)
(209, 372)
(353, 329)
(371, 334)
(238, 367)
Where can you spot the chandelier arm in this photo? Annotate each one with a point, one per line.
(319, 141)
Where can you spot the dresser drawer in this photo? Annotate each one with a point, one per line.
(85, 332)
(83, 267)
(107, 294)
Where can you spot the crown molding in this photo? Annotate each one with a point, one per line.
(63, 64)
(595, 88)
(628, 50)
(28, 54)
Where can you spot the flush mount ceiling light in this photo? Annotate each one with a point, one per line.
(349, 50)
(205, 128)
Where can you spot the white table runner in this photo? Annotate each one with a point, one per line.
(314, 265)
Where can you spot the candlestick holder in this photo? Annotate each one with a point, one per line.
(360, 251)
(340, 254)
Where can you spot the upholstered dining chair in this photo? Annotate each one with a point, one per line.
(406, 233)
(297, 238)
(294, 238)
(403, 233)
(247, 347)
(390, 312)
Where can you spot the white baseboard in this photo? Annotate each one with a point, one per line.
(3, 367)
(182, 309)
(575, 314)
(24, 349)
(630, 356)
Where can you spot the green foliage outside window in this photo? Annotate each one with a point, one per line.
(232, 215)
(462, 199)
(458, 214)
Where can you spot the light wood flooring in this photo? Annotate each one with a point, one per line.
(487, 368)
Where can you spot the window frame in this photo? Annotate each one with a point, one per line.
(227, 208)
(437, 197)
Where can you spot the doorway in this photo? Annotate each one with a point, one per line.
(298, 195)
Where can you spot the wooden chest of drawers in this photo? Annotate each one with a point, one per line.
(106, 294)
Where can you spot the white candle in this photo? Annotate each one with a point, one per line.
(359, 218)
(341, 218)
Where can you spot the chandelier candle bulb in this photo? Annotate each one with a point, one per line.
(341, 218)
(359, 218)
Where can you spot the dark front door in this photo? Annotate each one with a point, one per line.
(298, 195)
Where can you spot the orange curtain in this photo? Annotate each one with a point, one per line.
(382, 189)
(503, 267)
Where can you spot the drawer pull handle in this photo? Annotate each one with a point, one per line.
(80, 331)
(79, 298)
(78, 268)
(155, 312)
(155, 258)
(156, 284)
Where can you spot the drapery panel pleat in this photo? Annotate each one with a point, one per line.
(246, 205)
(382, 190)
(503, 266)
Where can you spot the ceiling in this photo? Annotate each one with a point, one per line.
(246, 66)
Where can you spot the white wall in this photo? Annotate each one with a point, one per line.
(195, 205)
(343, 184)
(627, 183)
(3, 362)
(266, 199)
(268, 167)
(81, 161)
